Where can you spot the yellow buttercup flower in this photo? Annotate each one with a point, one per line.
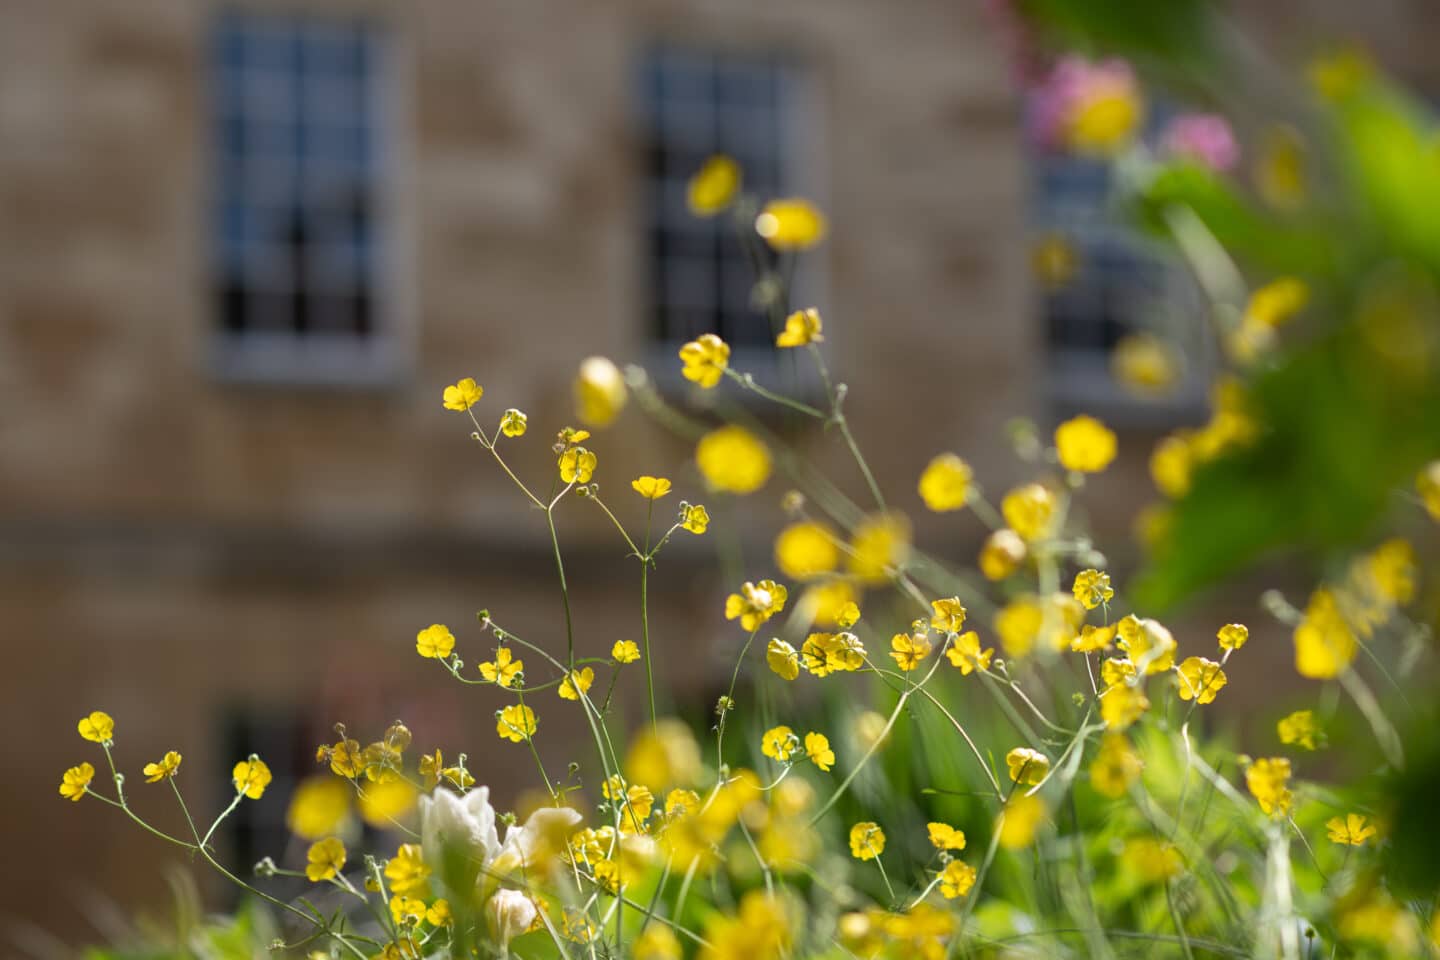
(1324, 642)
(577, 465)
(435, 642)
(783, 659)
(344, 757)
(1276, 303)
(1002, 554)
(576, 683)
(1149, 645)
(503, 669)
(1353, 829)
(407, 872)
(98, 727)
(878, 545)
(76, 781)
(1092, 639)
(1116, 766)
(1144, 364)
(1084, 444)
(705, 360)
(325, 859)
(1151, 860)
(513, 423)
(695, 518)
(600, 393)
(168, 765)
(1122, 705)
(463, 395)
(956, 879)
(945, 837)
(1340, 73)
(867, 840)
(713, 187)
(1092, 588)
(848, 615)
(818, 752)
(1027, 767)
(1268, 781)
(791, 224)
(407, 911)
(907, 650)
(965, 653)
(806, 549)
(318, 807)
(1302, 729)
(440, 914)
(945, 483)
(1171, 464)
(779, 743)
(625, 651)
(801, 327)
(1280, 169)
(515, 723)
(948, 615)
(382, 804)
(825, 653)
(755, 603)
(1427, 485)
(251, 777)
(1232, 636)
(1200, 679)
(569, 436)
(1029, 510)
(656, 942)
(651, 488)
(1117, 671)
(733, 460)
(1020, 820)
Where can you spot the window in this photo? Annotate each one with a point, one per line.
(1122, 282)
(695, 104)
(299, 199)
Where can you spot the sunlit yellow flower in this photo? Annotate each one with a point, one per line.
(515, 723)
(801, 327)
(1020, 820)
(867, 840)
(600, 393)
(435, 642)
(713, 187)
(945, 483)
(907, 650)
(782, 658)
(956, 879)
(1151, 860)
(651, 488)
(945, 837)
(966, 654)
(1171, 464)
(1115, 767)
(1148, 643)
(1093, 638)
(318, 807)
(625, 651)
(407, 911)
(406, 872)
(1143, 363)
(826, 653)
(98, 727)
(695, 518)
(1339, 74)
(577, 465)
(513, 423)
(1277, 302)
(1301, 728)
(345, 759)
(949, 614)
(1268, 781)
(878, 545)
(1200, 679)
(463, 395)
(1054, 260)
(1084, 444)
(382, 804)
(569, 436)
(1427, 485)
(324, 859)
(1117, 671)
(1353, 829)
(577, 927)
(1029, 510)
(503, 669)
(1092, 588)
(705, 360)
(779, 743)
(733, 460)
(681, 802)
(818, 752)
(761, 930)
(440, 914)
(1280, 169)
(791, 224)
(1324, 642)
(848, 616)
(76, 781)
(755, 603)
(1002, 554)
(1121, 706)
(806, 549)
(1027, 767)
(656, 942)
(1017, 624)
(155, 772)
(1232, 636)
(251, 777)
(577, 682)
(1106, 111)
(639, 802)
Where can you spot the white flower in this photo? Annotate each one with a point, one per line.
(538, 841)
(510, 914)
(458, 835)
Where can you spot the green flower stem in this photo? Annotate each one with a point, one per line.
(645, 617)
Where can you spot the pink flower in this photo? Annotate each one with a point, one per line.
(1205, 138)
(1090, 106)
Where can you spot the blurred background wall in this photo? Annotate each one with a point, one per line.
(243, 248)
